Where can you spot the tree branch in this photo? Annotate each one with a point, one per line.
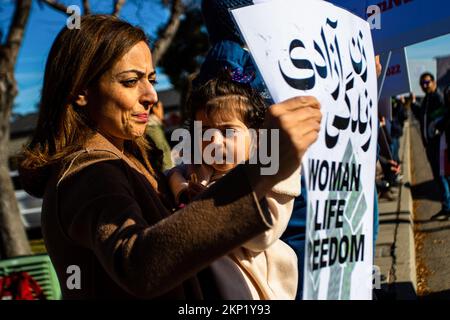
(17, 28)
(169, 31)
(55, 4)
(117, 6)
(86, 7)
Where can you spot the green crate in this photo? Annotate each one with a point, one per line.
(40, 268)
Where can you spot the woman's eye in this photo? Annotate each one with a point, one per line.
(130, 82)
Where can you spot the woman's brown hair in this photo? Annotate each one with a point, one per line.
(77, 60)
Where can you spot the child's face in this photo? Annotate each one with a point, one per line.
(229, 142)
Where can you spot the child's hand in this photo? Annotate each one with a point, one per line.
(195, 188)
(192, 191)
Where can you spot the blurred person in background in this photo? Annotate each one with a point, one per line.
(432, 114)
(155, 131)
(391, 168)
(399, 117)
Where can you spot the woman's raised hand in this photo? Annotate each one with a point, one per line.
(298, 122)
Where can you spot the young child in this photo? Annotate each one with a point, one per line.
(268, 265)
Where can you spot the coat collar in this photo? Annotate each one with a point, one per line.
(96, 149)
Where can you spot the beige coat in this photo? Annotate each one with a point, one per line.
(268, 265)
(101, 213)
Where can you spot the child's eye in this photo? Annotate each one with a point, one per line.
(230, 132)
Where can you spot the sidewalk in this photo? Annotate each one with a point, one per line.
(431, 233)
(395, 248)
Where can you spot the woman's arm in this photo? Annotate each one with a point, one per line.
(99, 212)
(280, 201)
(280, 207)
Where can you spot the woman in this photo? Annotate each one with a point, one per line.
(106, 210)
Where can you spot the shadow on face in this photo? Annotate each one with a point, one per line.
(427, 84)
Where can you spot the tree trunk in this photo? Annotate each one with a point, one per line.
(14, 238)
(12, 232)
(169, 31)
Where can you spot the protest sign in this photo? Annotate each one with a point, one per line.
(314, 48)
(385, 58)
(397, 75)
(402, 22)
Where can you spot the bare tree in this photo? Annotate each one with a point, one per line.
(55, 4)
(167, 33)
(87, 7)
(13, 236)
(117, 6)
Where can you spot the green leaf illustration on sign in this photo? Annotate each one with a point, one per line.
(313, 278)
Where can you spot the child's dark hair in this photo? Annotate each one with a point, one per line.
(225, 98)
(426, 74)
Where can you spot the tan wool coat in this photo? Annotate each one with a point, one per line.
(102, 214)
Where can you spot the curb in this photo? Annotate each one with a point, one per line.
(395, 247)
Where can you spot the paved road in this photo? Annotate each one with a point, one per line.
(432, 236)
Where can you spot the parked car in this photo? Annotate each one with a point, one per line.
(29, 206)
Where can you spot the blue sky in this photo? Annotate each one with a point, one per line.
(42, 28)
(433, 48)
(46, 22)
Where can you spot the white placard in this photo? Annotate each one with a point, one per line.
(397, 75)
(309, 47)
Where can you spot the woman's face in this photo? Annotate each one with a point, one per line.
(121, 102)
